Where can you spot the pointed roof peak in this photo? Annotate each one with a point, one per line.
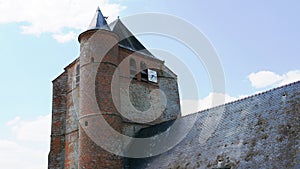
(127, 39)
(99, 21)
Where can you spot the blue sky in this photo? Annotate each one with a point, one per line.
(257, 43)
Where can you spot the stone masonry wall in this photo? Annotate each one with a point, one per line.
(139, 90)
(261, 131)
(170, 88)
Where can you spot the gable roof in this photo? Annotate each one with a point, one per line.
(127, 39)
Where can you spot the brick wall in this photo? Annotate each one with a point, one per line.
(98, 60)
(57, 151)
(71, 130)
(87, 82)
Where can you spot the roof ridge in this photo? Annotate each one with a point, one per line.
(127, 39)
(245, 98)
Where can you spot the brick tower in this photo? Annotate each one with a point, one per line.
(116, 87)
(98, 61)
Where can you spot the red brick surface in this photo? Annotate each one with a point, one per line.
(79, 146)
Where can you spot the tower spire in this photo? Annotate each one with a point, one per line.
(99, 21)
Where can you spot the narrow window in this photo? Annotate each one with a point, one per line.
(77, 75)
(132, 69)
(144, 73)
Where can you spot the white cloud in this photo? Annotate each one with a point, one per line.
(40, 16)
(14, 121)
(63, 38)
(14, 155)
(291, 76)
(30, 145)
(212, 100)
(263, 79)
(37, 130)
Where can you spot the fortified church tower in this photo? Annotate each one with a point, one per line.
(115, 88)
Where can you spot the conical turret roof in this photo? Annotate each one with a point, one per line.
(99, 21)
(127, 39)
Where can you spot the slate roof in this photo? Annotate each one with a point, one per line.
(99, 21)
(127, 39)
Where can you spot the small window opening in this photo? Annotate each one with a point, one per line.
(219, 163)
(284, 95)
(132, 69)
(77, 75)
(144, 73)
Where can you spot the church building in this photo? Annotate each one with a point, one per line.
(117, 106)
(114, 77)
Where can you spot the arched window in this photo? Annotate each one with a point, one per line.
(132, 69)
(144, 73)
